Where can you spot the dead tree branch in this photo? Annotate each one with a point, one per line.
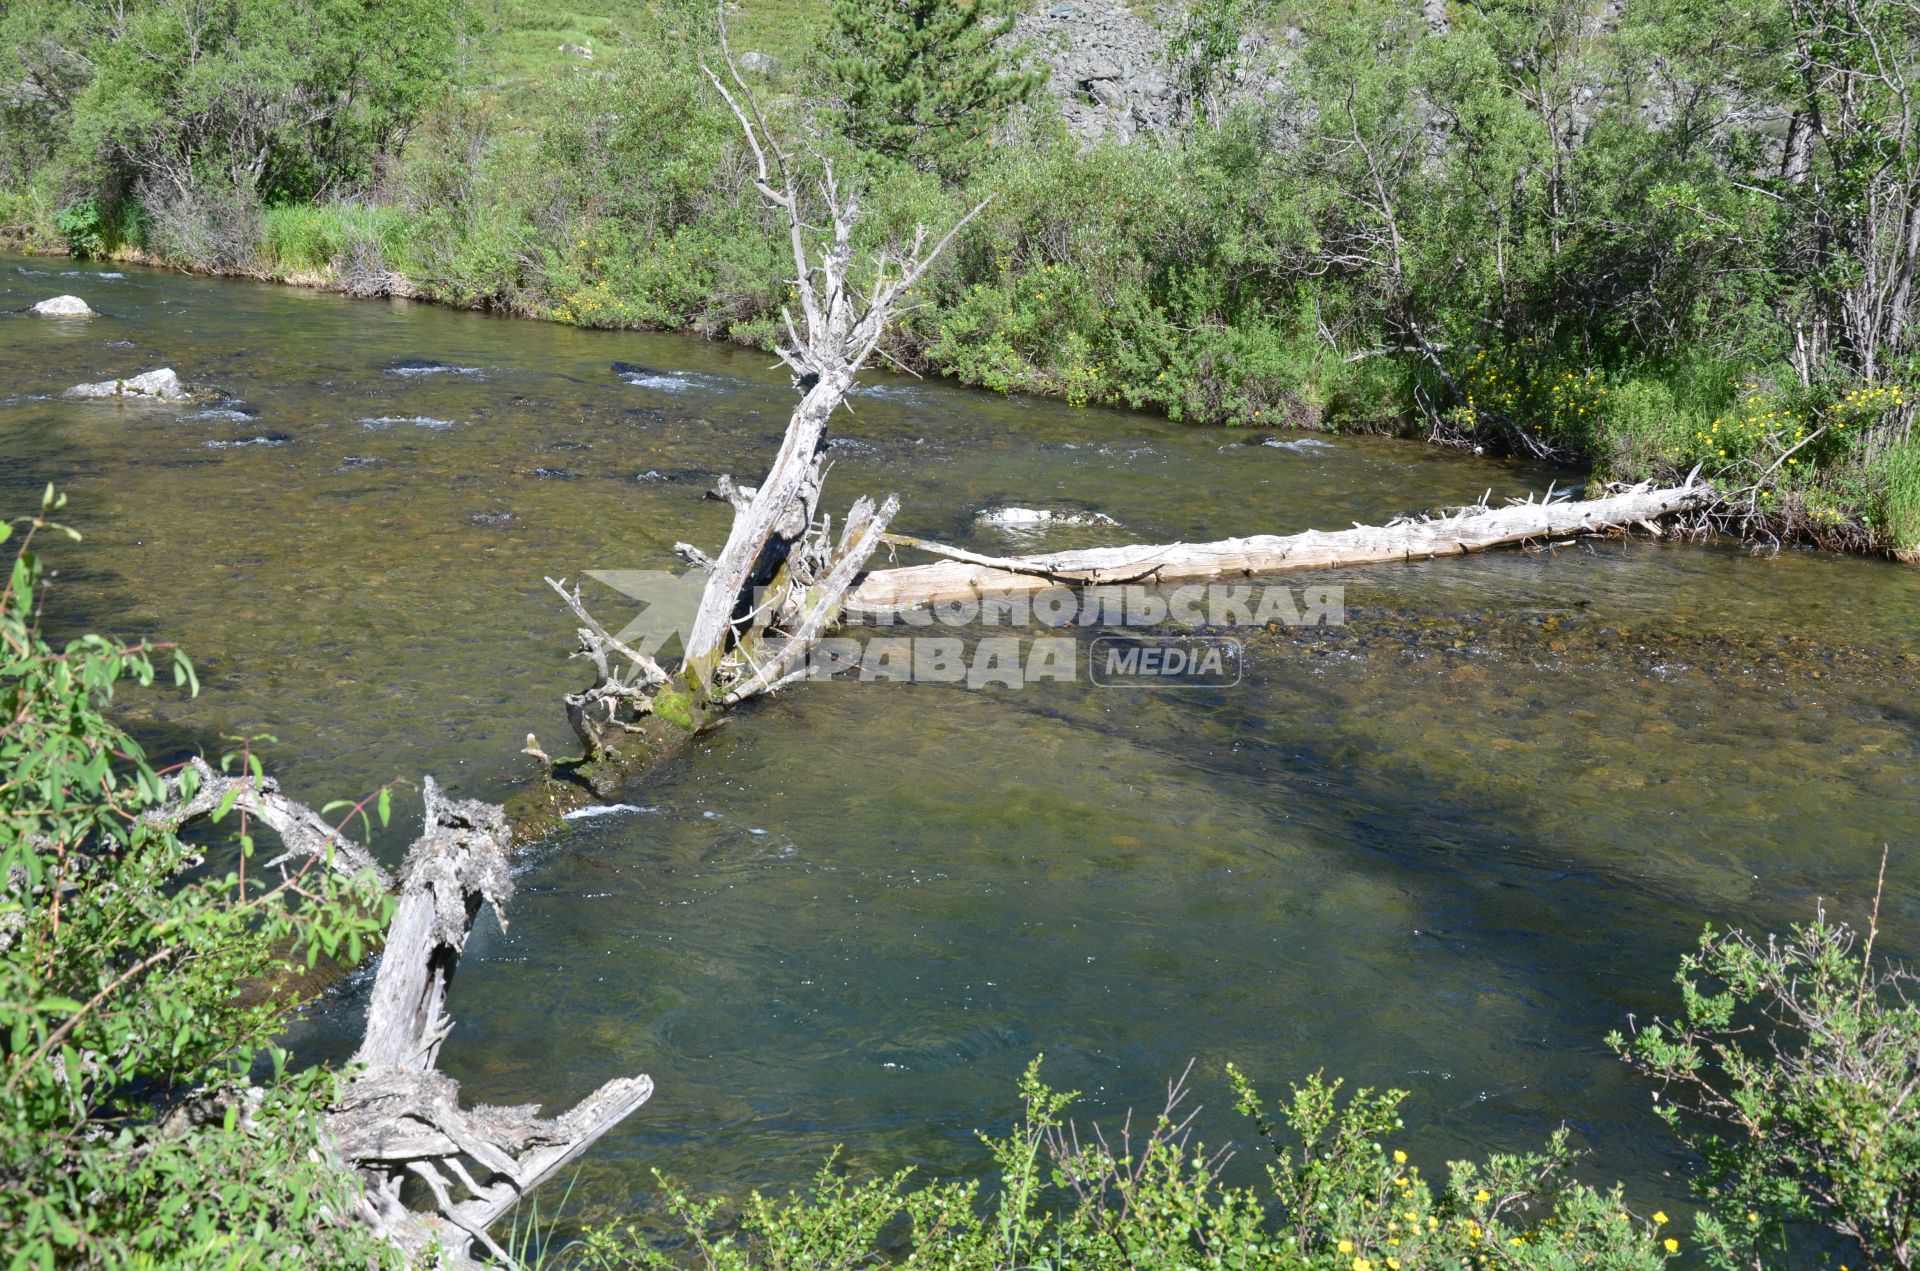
(302, 831)
(399, 1116)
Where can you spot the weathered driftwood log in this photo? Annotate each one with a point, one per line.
(399, 1116)
(966, 575)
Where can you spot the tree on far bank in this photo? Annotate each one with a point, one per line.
(927, 81)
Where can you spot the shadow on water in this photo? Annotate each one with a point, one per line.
(1445, 846)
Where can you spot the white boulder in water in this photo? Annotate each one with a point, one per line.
(64, 307)
(160, 386)
(1034, 518)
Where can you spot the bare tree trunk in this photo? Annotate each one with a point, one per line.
(779, 579)
(399, 1117)
(967, 575)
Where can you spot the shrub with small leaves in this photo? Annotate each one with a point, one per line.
(1153, 1196)
(146, 1115)
(1794, 1070)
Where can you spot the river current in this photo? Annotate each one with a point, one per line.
(1445, 846)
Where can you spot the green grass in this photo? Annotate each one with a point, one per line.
(305, 239)
(1896, 471)
(520, 40)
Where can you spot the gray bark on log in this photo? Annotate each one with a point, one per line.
(302, 831)
(966, 575)
(399, 1116)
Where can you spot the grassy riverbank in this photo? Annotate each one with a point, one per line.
(1622, 244)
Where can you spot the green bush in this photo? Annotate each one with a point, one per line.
(1336, 1197)
(1791, 1071)
(82, 227)
(1642, 432)
(146, 1115)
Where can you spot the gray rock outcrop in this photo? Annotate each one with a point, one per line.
(1110, 70)
(1106, 66)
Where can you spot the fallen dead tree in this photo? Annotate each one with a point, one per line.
(965, 575)
(397, 1116)
(778, 582)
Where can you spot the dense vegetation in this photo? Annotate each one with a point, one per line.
(1646, 237)
(147, 1116)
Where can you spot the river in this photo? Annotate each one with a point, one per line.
(1446, 846)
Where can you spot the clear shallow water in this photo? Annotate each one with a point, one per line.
(1446, 847)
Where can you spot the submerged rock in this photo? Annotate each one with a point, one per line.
(64, 307)
(160, 386)
(1026, 518)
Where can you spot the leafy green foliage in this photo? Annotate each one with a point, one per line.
(145, 1112)
(1337, 1199)
(1640, 242)
(1205, 49)
(927, 82)
(79, 224)
(1792, 1070)
(204, 108)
